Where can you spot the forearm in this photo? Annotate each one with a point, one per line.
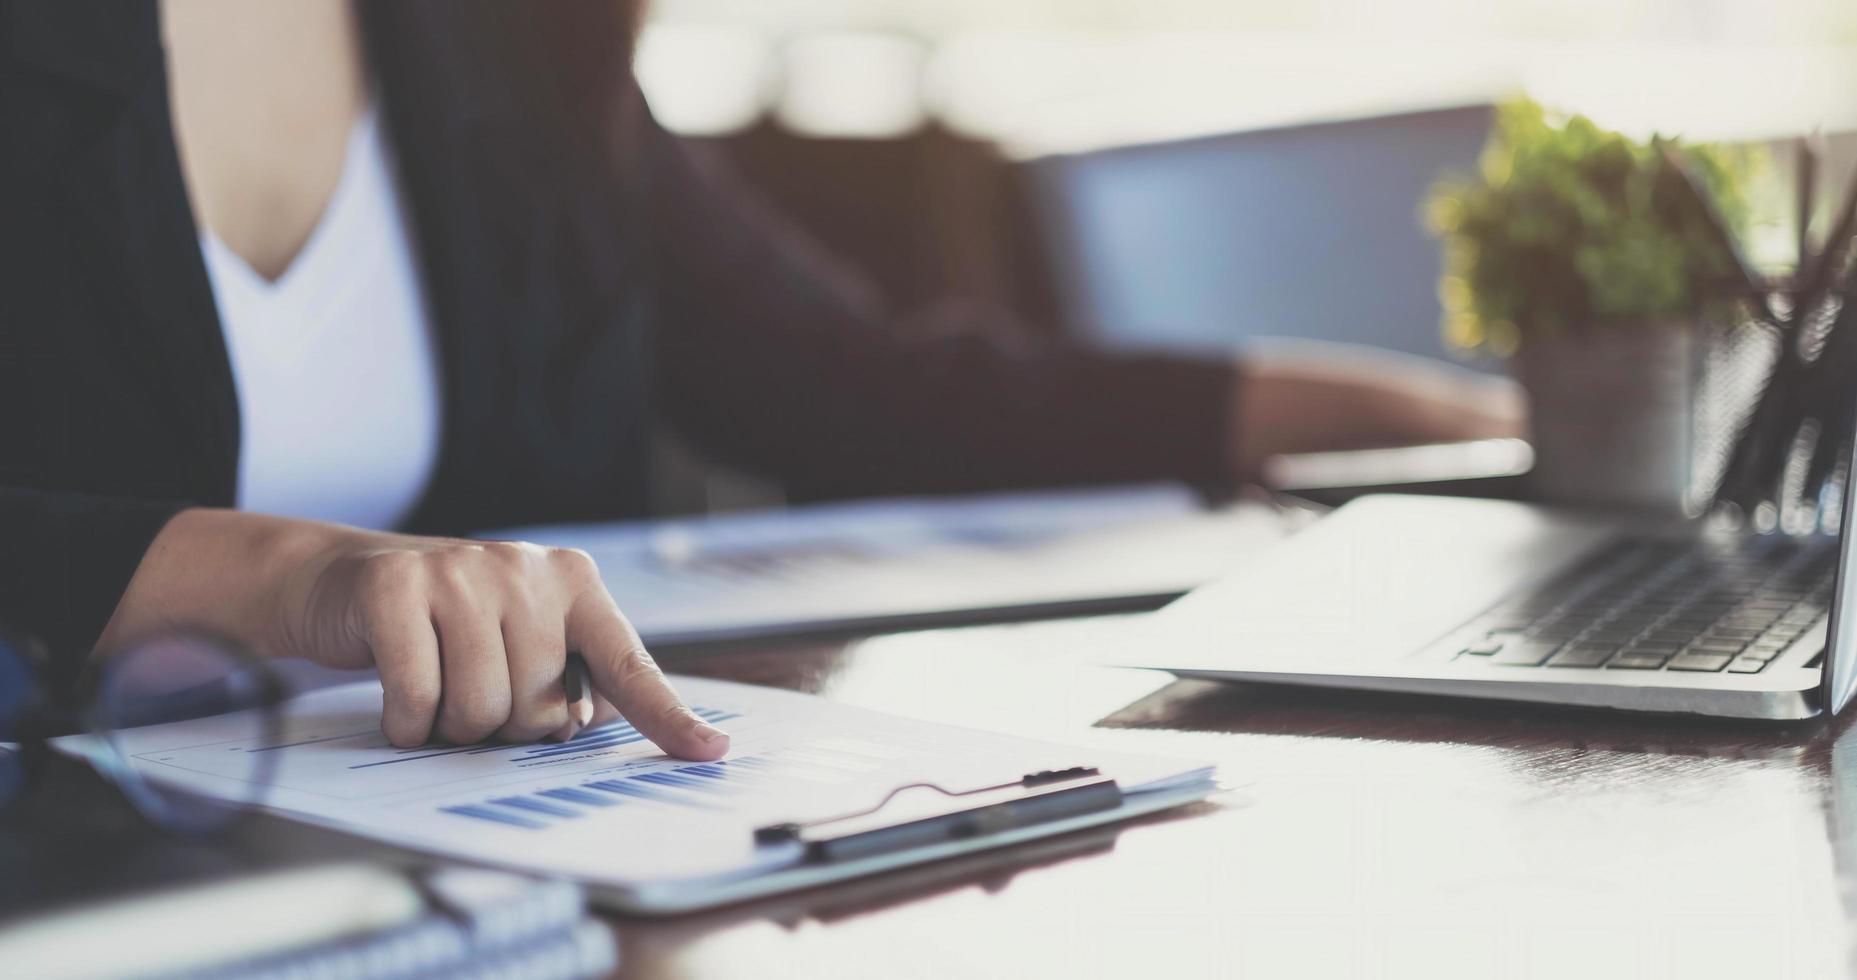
(798, 371)
(1305, 398)
(220, 570)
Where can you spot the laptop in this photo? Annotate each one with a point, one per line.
(1425, 594)
(1503, 600)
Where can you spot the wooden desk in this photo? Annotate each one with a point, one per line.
(1366, 836)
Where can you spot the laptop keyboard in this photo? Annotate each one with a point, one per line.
(1704, 605)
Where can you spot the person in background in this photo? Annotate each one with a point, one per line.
(293, 292)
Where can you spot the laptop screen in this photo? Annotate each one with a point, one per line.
(1311, 232)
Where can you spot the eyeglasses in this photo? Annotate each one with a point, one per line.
(164, 679)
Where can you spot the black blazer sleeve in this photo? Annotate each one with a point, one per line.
(112, 416)
(775, 356)
(69, 557)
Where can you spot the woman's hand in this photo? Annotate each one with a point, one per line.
(470, 637)
(1304, 397)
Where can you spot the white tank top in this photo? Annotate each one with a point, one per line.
(337, 380)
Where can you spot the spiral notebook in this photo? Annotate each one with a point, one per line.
(335, 920)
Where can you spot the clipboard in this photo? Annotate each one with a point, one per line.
(811, 792)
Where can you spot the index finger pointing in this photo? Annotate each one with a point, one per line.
(627, 676)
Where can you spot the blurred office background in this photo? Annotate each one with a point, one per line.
(1145, 170)
(1189, 174)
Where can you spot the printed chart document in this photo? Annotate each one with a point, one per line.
(837, 566)
(651, 833)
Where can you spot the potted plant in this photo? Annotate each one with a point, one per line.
(1598, 264)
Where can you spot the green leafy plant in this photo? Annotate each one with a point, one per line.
(1568, 226)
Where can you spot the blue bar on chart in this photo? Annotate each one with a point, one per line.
(698, 786)
(609, 735)
(537, 806)
(574, 794)
(495, 816)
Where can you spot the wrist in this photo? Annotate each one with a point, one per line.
(291, 558)
(226, 571)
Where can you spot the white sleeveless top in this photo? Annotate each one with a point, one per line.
(337, 380)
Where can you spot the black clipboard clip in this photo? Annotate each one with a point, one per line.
(1036, 798)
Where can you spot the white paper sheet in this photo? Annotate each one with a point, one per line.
(841, 565)
(608, 808)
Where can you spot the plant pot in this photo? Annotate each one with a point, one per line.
(1613, 414)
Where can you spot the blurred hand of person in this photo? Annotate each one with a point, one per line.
(1305, 397)
(470, 637)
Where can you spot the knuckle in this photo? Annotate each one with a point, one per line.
(416, 697)
(673, 712)
(636, 667)
(472, 717)
(510, 553)
(459, 556)
(527, 726)
(388, 572)
(512, 579)
(575, 564)
(383, 613)
(453, 573)
(403, 735)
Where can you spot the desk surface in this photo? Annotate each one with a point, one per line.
(1365, 836)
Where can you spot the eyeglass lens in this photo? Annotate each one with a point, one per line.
(228, 703)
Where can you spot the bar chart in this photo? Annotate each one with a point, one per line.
(700, 786)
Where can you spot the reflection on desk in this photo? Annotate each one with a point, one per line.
(1376, 835)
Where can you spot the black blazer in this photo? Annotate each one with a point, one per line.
(587, 279)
